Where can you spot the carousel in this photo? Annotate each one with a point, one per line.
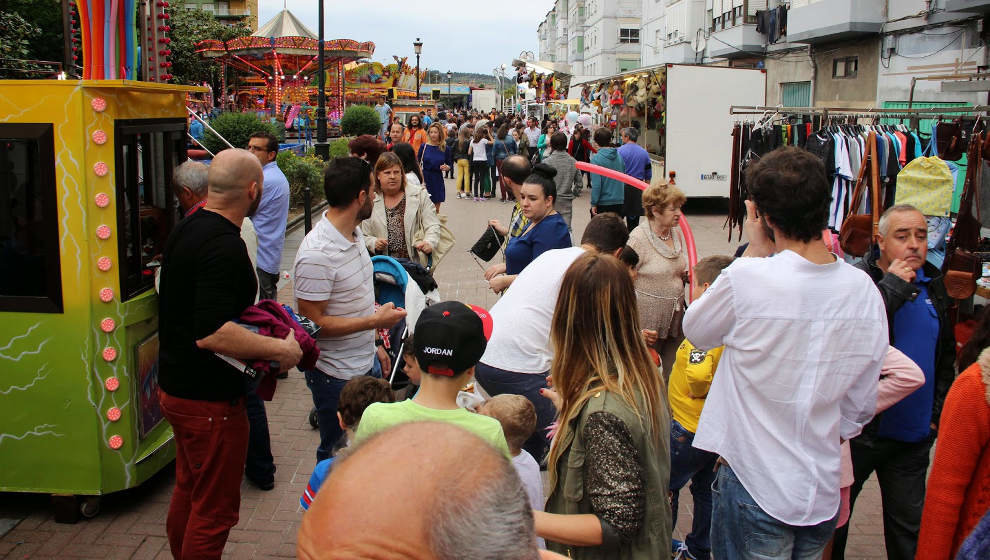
(278, 67)
(278, 64)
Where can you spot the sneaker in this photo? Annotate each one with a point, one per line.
(681, 551)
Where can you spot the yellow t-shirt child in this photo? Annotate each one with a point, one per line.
(690, 379)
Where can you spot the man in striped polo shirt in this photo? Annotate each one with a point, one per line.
(334, 288)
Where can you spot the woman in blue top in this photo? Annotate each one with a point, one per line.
(547, 229)
(433, 159)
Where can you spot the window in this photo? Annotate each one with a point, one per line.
(29, 236)
(795, 94)
(147, 152)
(845, 67)
(627, 65)
(630, 36)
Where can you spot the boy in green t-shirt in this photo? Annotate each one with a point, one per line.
(450, 338)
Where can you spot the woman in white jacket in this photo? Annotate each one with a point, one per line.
(403, 219)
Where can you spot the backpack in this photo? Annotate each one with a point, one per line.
(926, 183)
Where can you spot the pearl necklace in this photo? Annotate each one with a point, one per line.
(667, 237)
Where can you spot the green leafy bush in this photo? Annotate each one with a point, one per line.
(338, 148)
(237, 128)
(358, 120)
(302, 171)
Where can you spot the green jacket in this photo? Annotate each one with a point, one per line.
(568, 496)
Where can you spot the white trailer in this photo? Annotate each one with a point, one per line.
(698, 133)
(484, 99)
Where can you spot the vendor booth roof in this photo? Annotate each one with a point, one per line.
(621, 75)
(284, 24)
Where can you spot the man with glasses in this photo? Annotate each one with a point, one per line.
(272, 215)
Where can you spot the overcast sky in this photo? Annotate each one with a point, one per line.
(459, 35)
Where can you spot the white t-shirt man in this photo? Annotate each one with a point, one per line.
(329, 267)
(533, 135)
(520, 340)
(803, 347)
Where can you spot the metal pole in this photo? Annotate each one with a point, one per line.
(322, 148)
(67, 38)
(208, 127)
(308, 206)
(417, 75)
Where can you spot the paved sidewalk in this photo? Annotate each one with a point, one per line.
(132, 523)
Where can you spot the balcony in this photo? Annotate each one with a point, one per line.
(232, 13)
(831, 20)
(735, 42)
(733, 33)
(979, 6)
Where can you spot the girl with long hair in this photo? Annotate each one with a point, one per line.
(461, 156)
(609, 462)
(479, 161)
(407, 156)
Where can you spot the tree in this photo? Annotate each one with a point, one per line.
(188, 28)
(42, 19)
(16, 35)
(358, 120)
(237, 128)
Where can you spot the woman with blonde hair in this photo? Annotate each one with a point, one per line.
(662, 270)
(609, 462)
(399, 212)
(460, 156)
(433, 161)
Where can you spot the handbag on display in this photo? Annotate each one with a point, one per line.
(859, 231)
(962, 267)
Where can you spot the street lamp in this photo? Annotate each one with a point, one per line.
(449, 76)
(322, 149)
(418, 46)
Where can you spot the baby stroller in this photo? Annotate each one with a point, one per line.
(410, 286)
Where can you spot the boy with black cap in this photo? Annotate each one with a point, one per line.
(450, 339)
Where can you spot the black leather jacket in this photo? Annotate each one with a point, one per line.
(895, 292)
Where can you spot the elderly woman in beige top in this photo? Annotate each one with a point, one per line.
(400, 214)
(662, 270)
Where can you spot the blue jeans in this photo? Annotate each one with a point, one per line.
(497, 381)
(260, 465)
(326, 396)
(697, 466)
(740, 529)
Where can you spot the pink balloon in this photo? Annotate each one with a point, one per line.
(692, 251)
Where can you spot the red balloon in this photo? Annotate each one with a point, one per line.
(692, 251)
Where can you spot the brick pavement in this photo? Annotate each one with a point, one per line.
(132, 523)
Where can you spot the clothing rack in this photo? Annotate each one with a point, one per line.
(868, 113)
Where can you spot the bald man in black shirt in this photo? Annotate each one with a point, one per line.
(207, 281)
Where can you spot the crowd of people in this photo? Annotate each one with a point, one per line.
(773, 383)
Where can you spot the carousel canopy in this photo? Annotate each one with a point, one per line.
(284, 24)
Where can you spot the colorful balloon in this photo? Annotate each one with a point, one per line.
(692, 250)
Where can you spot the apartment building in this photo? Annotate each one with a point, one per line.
(593, 37)
(670, 32)
(228, 11)
(840, 53)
